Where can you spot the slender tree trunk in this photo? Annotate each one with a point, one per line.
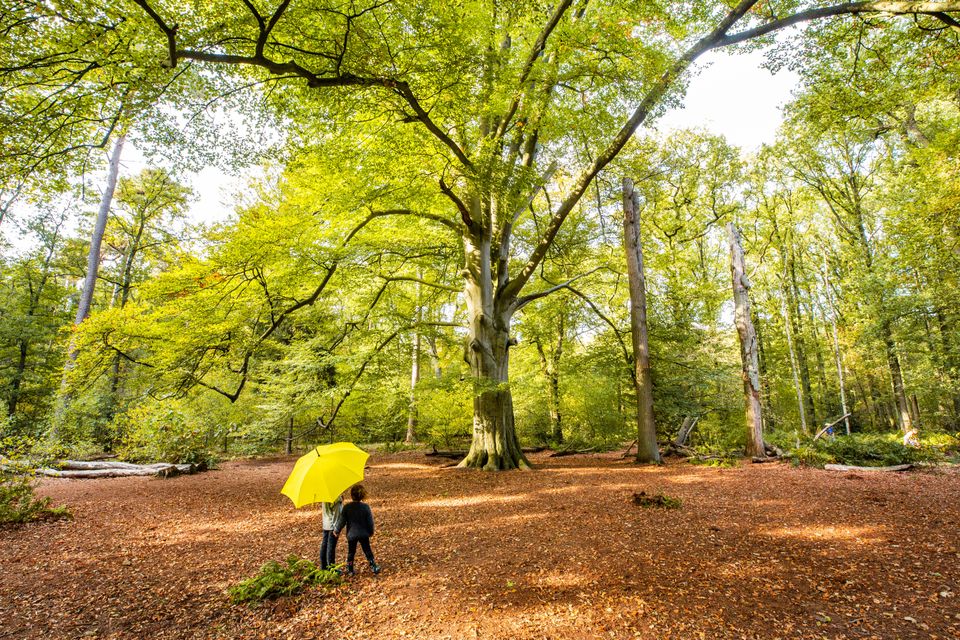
(904, 420)
(748, 345)
(549, 367)
(793, 368)
(93, 256)
(843, 386)
(414, 379)
(647, 449)
(793, 297)
(767, 413)
(90, 280)
(434, 357)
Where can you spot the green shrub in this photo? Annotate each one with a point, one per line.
(864, 450)
(18, 504)
(168, 431)
(276, 580)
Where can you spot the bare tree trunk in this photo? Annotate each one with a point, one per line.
(647, 450)
(748, 345)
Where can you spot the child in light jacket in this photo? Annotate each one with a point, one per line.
(328, 548)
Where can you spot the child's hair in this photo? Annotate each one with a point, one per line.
(358, 493)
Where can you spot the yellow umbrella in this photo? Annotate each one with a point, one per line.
(325, 473)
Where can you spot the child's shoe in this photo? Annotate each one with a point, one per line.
(349, 571)
(375, 568)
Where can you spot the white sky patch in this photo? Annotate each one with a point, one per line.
(734, 96)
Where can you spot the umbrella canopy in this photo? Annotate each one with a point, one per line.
(324, 473)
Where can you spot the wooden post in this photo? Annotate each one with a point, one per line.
(748, 345)
(647, 450)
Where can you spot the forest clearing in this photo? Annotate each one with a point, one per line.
(473, 249)
(757, 551)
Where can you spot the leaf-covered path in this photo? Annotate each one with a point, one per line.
(761, 551)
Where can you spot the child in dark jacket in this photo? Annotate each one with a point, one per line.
(358, 520)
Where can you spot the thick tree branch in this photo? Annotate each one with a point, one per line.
(934, 9)
(525, 300)
(538, 46)
(401, 212)
(427, 283)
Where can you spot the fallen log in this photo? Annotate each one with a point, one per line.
(453, 455)
(571, 452)
(76, 469)
(759, 460)
(850, 467)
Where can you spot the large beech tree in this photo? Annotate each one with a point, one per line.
(499, 94)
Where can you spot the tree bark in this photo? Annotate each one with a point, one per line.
(793, 298)
(647, 449)
(411, 436)
(495, 446)
(904, 421)
(93, 256)
(748, 345)
(793, 368)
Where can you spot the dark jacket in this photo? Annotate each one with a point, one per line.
(358, 519)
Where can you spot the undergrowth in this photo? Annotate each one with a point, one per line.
(872, 450)
(18, 504)
(276, 579)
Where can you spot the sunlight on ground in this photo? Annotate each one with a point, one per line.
(468, 501)
(860, 535)
(403, 465)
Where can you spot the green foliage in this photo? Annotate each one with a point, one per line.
(18, 504)
(172, 431)
(865, 450)
(276, 580)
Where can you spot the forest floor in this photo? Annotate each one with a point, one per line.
(758, 551)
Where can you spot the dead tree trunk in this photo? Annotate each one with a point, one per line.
(647, 450)
(748, 345)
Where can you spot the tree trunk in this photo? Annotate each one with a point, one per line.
(93, 256)
(90, 280)
(764, 379)
(748, 345)
(793, 368)
(549, 368)
(843, 387)
(434, 356)
(288, 448)
(793, 298)
(495, 446)
(411, 436)
(647, 450)
(896, 378)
